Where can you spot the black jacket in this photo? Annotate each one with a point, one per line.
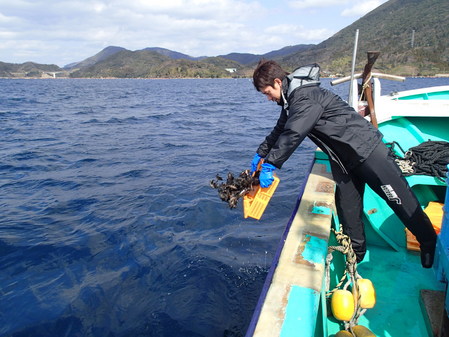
(325, 118)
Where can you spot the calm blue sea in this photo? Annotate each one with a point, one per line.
(108, 224)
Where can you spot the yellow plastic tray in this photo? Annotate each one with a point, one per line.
(255, 202)
(434, 211)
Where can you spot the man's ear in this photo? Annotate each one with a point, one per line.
(278, 81)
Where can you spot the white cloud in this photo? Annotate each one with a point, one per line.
(237, 10)
(358, 7)
(65, 31)
(362, 8)
(7, 19)
(303, 4)
(299, 32)
(185, 25)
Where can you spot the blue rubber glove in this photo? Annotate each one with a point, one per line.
(255, 162)
(266, 175)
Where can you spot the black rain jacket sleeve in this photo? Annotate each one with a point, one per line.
(328, 121)
(290, 130)
(272, 138)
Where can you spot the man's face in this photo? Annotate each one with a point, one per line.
(273, 93)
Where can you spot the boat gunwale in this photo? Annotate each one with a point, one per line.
(268, 280)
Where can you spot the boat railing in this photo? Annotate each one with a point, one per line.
(354, 99)
(373, 74)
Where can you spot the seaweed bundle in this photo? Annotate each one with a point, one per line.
(234, 188)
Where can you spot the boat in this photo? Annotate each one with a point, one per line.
(313, 265)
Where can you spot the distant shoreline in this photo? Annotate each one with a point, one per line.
(179, 78)
(122, 78)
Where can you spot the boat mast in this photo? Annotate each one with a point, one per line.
(351, 101)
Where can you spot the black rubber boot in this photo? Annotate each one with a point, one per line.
(428, 253)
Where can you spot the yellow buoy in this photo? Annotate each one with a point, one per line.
(362, 331)
(343, 333)
(342, 305)
(367, 293)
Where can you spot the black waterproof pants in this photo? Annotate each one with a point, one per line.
(385, 178)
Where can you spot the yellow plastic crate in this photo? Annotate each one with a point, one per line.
(255, 202)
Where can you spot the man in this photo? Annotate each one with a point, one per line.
(355, 148)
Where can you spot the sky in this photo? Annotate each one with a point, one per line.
(65, 31)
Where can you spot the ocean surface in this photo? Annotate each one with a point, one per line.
(108, 224)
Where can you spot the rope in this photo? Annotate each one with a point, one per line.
(365, 85)
(346, 249)
(428, 158)
(350, 274)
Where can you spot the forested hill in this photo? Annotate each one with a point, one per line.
(152, 64)
(412, 36)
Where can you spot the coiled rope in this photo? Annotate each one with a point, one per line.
(428, 158)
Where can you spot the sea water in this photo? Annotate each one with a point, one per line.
(108, 225)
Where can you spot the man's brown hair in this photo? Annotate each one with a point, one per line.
(266, 72)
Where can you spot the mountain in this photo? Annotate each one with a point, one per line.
(389, 29)
(102, 55)
(246, 58)
(242, 58)
(173, 54)
(412, 36)
(161, 62)
(152, 64)
(122, 64)
(28, 69)
(238, 57)
(287, 51)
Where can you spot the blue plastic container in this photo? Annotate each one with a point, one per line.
(444, 237)
(446, 202)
